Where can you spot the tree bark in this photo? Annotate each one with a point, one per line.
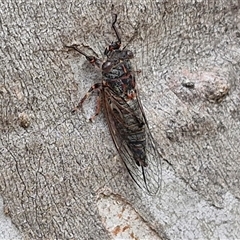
(61, 176)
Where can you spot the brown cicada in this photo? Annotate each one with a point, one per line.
(124, 112)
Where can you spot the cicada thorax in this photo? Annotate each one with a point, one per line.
(120, 85)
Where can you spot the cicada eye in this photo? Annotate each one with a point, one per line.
(129, 54)
(107, 66)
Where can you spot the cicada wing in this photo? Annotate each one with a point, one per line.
(147, 178)
(154, 156)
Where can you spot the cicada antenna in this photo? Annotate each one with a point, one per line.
(114, 45)
(116, 31)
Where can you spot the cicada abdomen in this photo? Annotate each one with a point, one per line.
(125, 116)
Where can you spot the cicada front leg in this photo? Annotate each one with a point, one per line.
(92, 59)
(97, 87)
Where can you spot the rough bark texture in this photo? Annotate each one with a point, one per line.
(58, 171)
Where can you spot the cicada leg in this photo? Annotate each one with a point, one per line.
(97, 87)
(98, 106)
(92, 59)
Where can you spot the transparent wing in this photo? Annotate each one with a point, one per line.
(147, 178)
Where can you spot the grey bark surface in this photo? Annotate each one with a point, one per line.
(61, 173)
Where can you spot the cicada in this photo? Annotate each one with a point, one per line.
(124, 113)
